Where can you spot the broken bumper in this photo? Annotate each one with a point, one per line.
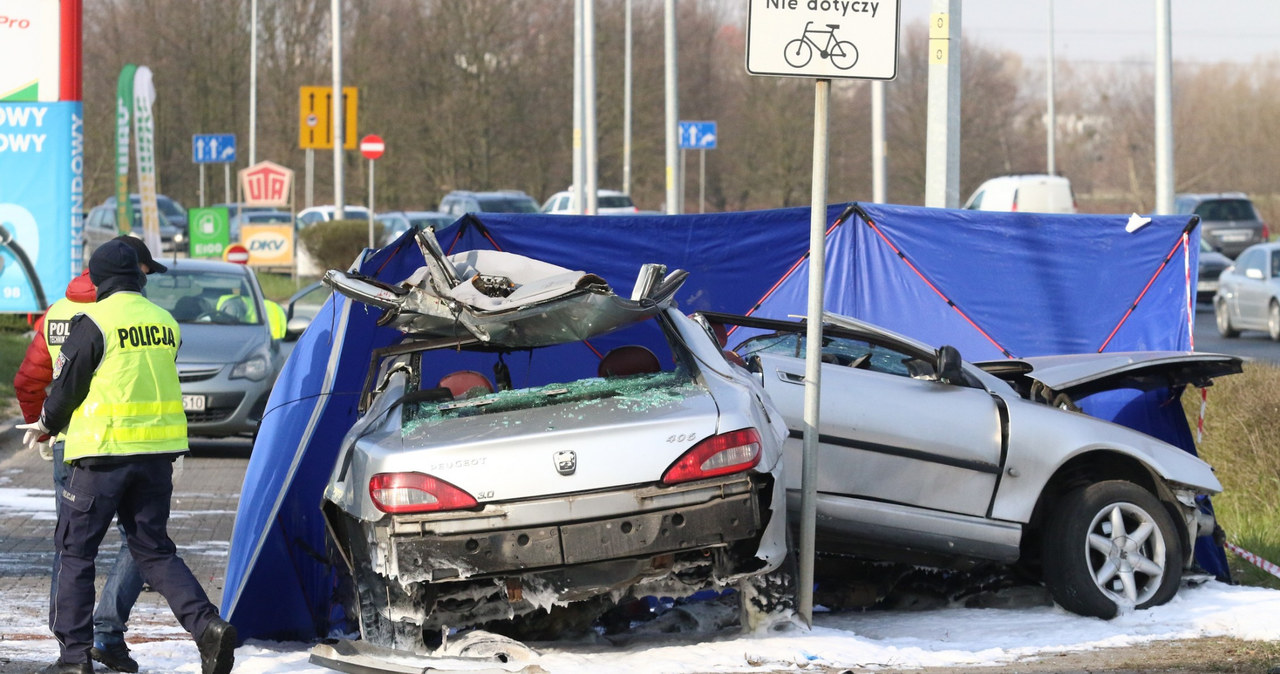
(661, 520)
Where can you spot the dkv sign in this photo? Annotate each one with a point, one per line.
(269, 245)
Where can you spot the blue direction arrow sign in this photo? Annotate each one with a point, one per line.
(697, 135)
(213, 148)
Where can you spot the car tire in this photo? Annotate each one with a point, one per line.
(1223, 319)
(368, 598)
(1273, 321)
(1093, 568)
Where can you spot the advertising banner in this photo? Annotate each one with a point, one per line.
(144, 96)
(41, 201)
(29, 50)
(124, 114)
(210, 231)
(269, 245)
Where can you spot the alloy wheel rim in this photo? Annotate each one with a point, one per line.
(1126, 554)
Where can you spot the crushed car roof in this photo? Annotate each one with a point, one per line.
(506, 299)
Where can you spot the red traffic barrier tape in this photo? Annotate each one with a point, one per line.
(1255, 560)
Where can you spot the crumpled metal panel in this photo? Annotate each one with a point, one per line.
(505, 299)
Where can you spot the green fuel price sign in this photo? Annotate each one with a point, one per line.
(210, 231)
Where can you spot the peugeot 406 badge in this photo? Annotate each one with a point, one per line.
(566, 461)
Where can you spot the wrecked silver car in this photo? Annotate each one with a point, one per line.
(925, 459)
(491, 477)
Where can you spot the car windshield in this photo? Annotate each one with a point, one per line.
(205, 297)
(164, 205)
(508, 205)
(268, 217)
(1226, 209)
(436, 221)
(618, 201)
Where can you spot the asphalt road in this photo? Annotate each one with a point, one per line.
(1251, 344)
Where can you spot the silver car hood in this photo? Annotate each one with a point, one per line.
(1082, 374)
(506, 299)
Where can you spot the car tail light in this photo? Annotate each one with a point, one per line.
(416, 493)
(1266, 232)
(721, 454)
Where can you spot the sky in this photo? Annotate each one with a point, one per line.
(1117, 31)
(940, 637)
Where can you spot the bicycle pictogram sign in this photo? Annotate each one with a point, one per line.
(842, 53)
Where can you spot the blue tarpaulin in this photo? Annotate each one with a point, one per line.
(992, 284)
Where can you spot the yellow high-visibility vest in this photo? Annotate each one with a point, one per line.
(134, 404)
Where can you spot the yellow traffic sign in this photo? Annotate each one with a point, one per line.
(315, 118)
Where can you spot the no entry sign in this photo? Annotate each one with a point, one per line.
(372, 147)
(236, 253)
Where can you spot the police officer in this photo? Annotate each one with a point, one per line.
(115, 392)
(124, 583)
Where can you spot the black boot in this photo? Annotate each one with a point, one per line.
(60, 667)
(115, 657)
(217, 644)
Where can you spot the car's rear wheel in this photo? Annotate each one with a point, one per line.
(1273, 321)
(1111, 547)
(1223, 320)
(370, 600)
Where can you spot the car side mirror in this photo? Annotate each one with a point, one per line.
(294, 328)
(947, 365)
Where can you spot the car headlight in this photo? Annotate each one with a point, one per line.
(179, 237)
(253, 368)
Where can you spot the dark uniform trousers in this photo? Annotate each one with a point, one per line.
(138, 490)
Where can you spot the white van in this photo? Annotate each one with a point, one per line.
(1034, 193)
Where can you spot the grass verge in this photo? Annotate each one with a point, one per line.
(1242, 443)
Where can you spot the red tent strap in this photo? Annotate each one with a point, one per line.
(1134, 305)
(902, 256)
(838, 221)
(470, 220)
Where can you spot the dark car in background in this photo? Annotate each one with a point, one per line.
(1227, 219)
(100, 227)
(460, 202)
(396, 223)
(1211, 265)
(172, 214)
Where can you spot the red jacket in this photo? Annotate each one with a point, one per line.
(36, 370)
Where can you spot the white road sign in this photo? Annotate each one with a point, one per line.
(823, 38)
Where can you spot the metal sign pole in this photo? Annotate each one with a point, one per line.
(226, 183)
(813, 352)
(201, 185)
(371, 163)
(309, 193)
(702, 181)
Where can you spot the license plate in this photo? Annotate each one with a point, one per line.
(193, 403)
(1234, 236)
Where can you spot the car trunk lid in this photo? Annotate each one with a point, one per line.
(587, 435)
